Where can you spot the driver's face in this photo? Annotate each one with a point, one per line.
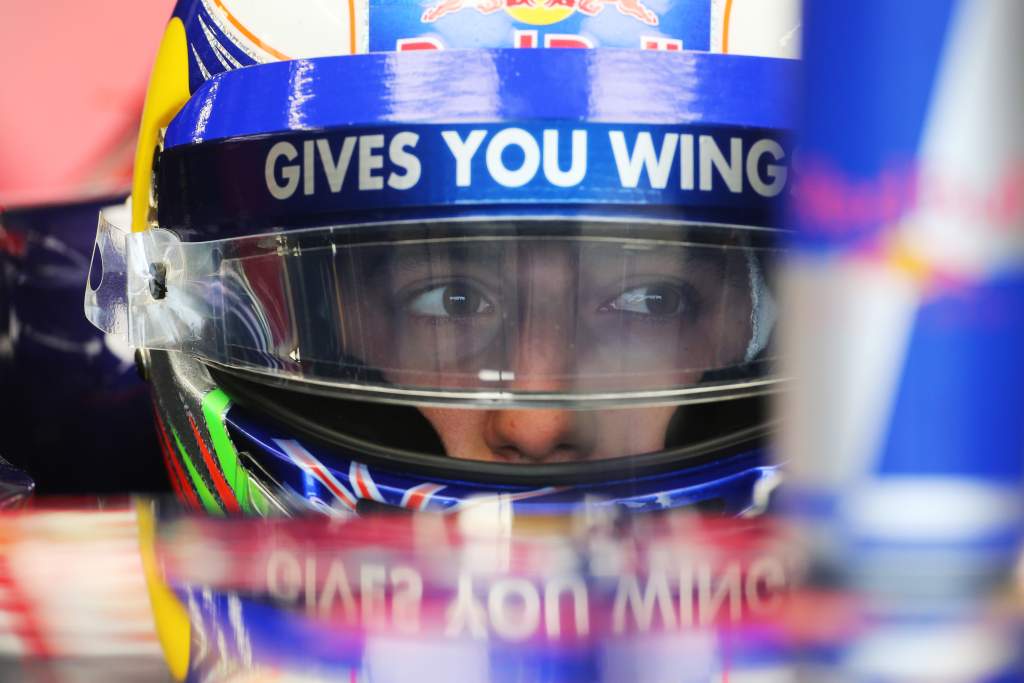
(558, 316)
(551, 435)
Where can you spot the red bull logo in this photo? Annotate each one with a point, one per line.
(541, 12)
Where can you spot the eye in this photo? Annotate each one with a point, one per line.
(661, 300)
(452, 300)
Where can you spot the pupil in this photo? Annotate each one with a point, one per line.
(460, 301)
(662, 300)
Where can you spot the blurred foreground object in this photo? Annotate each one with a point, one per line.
(471, 597)
(481, 595)
(903, 434)
(73, 602)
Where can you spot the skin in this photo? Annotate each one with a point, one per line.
(551, 435)
(579, 320)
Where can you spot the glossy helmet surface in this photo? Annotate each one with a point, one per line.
(372, 269)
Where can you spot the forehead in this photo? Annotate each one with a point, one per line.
(557, 252)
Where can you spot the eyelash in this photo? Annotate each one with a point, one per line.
(437, 320)
(689, 305)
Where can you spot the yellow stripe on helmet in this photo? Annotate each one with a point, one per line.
(169, 614)
(167, 94)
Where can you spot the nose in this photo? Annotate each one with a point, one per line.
(542, 358)
(539, 436)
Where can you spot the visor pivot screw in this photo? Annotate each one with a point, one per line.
(158, 280)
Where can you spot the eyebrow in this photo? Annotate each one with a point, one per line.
(404, 260)
(488, 253)
(711, 255)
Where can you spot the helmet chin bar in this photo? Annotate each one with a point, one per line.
(341, 424)
(205, 468)
(219, 459)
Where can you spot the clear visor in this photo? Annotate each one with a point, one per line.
(525, 311)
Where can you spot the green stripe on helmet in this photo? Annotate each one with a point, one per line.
(215, 406)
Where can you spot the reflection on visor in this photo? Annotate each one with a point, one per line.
(493, 310)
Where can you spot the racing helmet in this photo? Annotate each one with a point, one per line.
(410, 254)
